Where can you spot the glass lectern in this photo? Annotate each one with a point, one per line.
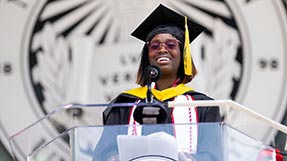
(237, 138)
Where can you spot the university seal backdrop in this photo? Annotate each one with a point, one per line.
(80, 51)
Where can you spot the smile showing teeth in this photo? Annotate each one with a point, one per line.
(163, 59)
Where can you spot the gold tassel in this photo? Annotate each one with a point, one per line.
(186, 52)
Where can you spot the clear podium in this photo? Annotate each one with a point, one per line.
(237, 138)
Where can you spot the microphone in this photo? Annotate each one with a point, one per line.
(153, 112)
(152, 73)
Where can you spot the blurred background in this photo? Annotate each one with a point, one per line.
(56, 52)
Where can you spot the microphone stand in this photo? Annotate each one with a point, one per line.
(149, 96)
(152, 111)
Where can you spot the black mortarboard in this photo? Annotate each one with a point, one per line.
(165, 20)
(165, 17)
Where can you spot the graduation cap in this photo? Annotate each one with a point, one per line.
(165, 20)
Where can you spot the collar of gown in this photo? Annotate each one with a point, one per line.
(160, 95)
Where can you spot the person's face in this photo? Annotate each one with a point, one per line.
(164, 52)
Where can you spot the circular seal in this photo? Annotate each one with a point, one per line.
(58, 59)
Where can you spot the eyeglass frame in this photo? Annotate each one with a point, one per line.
(163, 44)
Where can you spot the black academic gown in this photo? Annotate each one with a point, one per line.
(120, 116)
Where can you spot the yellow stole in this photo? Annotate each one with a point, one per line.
(160, 95)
